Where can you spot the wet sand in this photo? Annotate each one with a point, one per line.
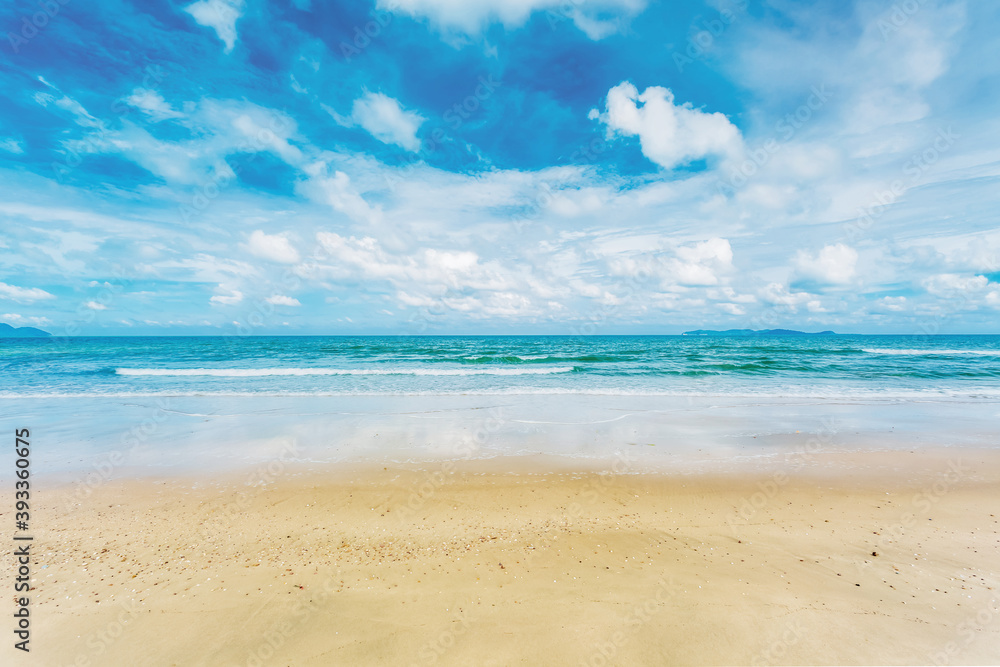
(499, 563)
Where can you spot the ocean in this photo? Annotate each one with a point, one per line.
(777, 366)
(679, 402)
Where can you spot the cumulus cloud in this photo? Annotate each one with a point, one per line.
(893, 304)
(596, 18)
(443, 268)
(776, 294)
(282, 300)
(833, 265)
(953, 284)
(669, 134)
(276, 248)
(231, 299)
(727, 293)
(732, 308)
(94, 305)
(23, 294)
(220, 16)
(703, 263)
(432, 278)
(384, 118)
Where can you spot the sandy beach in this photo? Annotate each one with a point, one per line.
(527, 561)
(494, 333)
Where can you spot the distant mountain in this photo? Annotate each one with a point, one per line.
(755, 332)
(7, 331)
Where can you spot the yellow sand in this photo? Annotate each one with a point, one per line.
(490, 563)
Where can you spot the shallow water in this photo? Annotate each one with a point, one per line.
(680, 403)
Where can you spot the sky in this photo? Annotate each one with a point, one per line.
(499, 166)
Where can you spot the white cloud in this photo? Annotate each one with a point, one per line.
(440, 267)
(21, 320)
(276, 248)
(81, 116)
(263, 129)
(703, 263)
(437, 279)
(339, 193)
(891, 69)
(206, 268)
(880, 76)
(596, 18)
(152, 104)
(93, 305)
(953, 285)
(220, 16)
(59, 245)
(23, 294)
(218, 128)
(732, 308)
(233, 298)
(669, 134)
(282, 300)
(11, 145)
(386, 120)
(572, 202)
(729, 294)
(296, 86)
(891, 303)
(833, 265)
(777, 294)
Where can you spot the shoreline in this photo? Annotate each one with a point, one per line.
(503, 562)
(170, 436)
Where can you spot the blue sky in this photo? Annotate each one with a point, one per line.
(499, 166)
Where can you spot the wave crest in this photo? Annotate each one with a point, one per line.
(268, 372)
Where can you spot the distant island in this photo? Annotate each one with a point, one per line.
(7, 331)
(755, 332)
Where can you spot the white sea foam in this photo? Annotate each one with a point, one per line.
(991, 394)
(923, 353)
(522, 357)
(266, 372)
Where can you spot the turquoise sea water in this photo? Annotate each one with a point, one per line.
(776, 366)
(100, 404)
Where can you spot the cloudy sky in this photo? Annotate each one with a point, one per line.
(499, 166)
